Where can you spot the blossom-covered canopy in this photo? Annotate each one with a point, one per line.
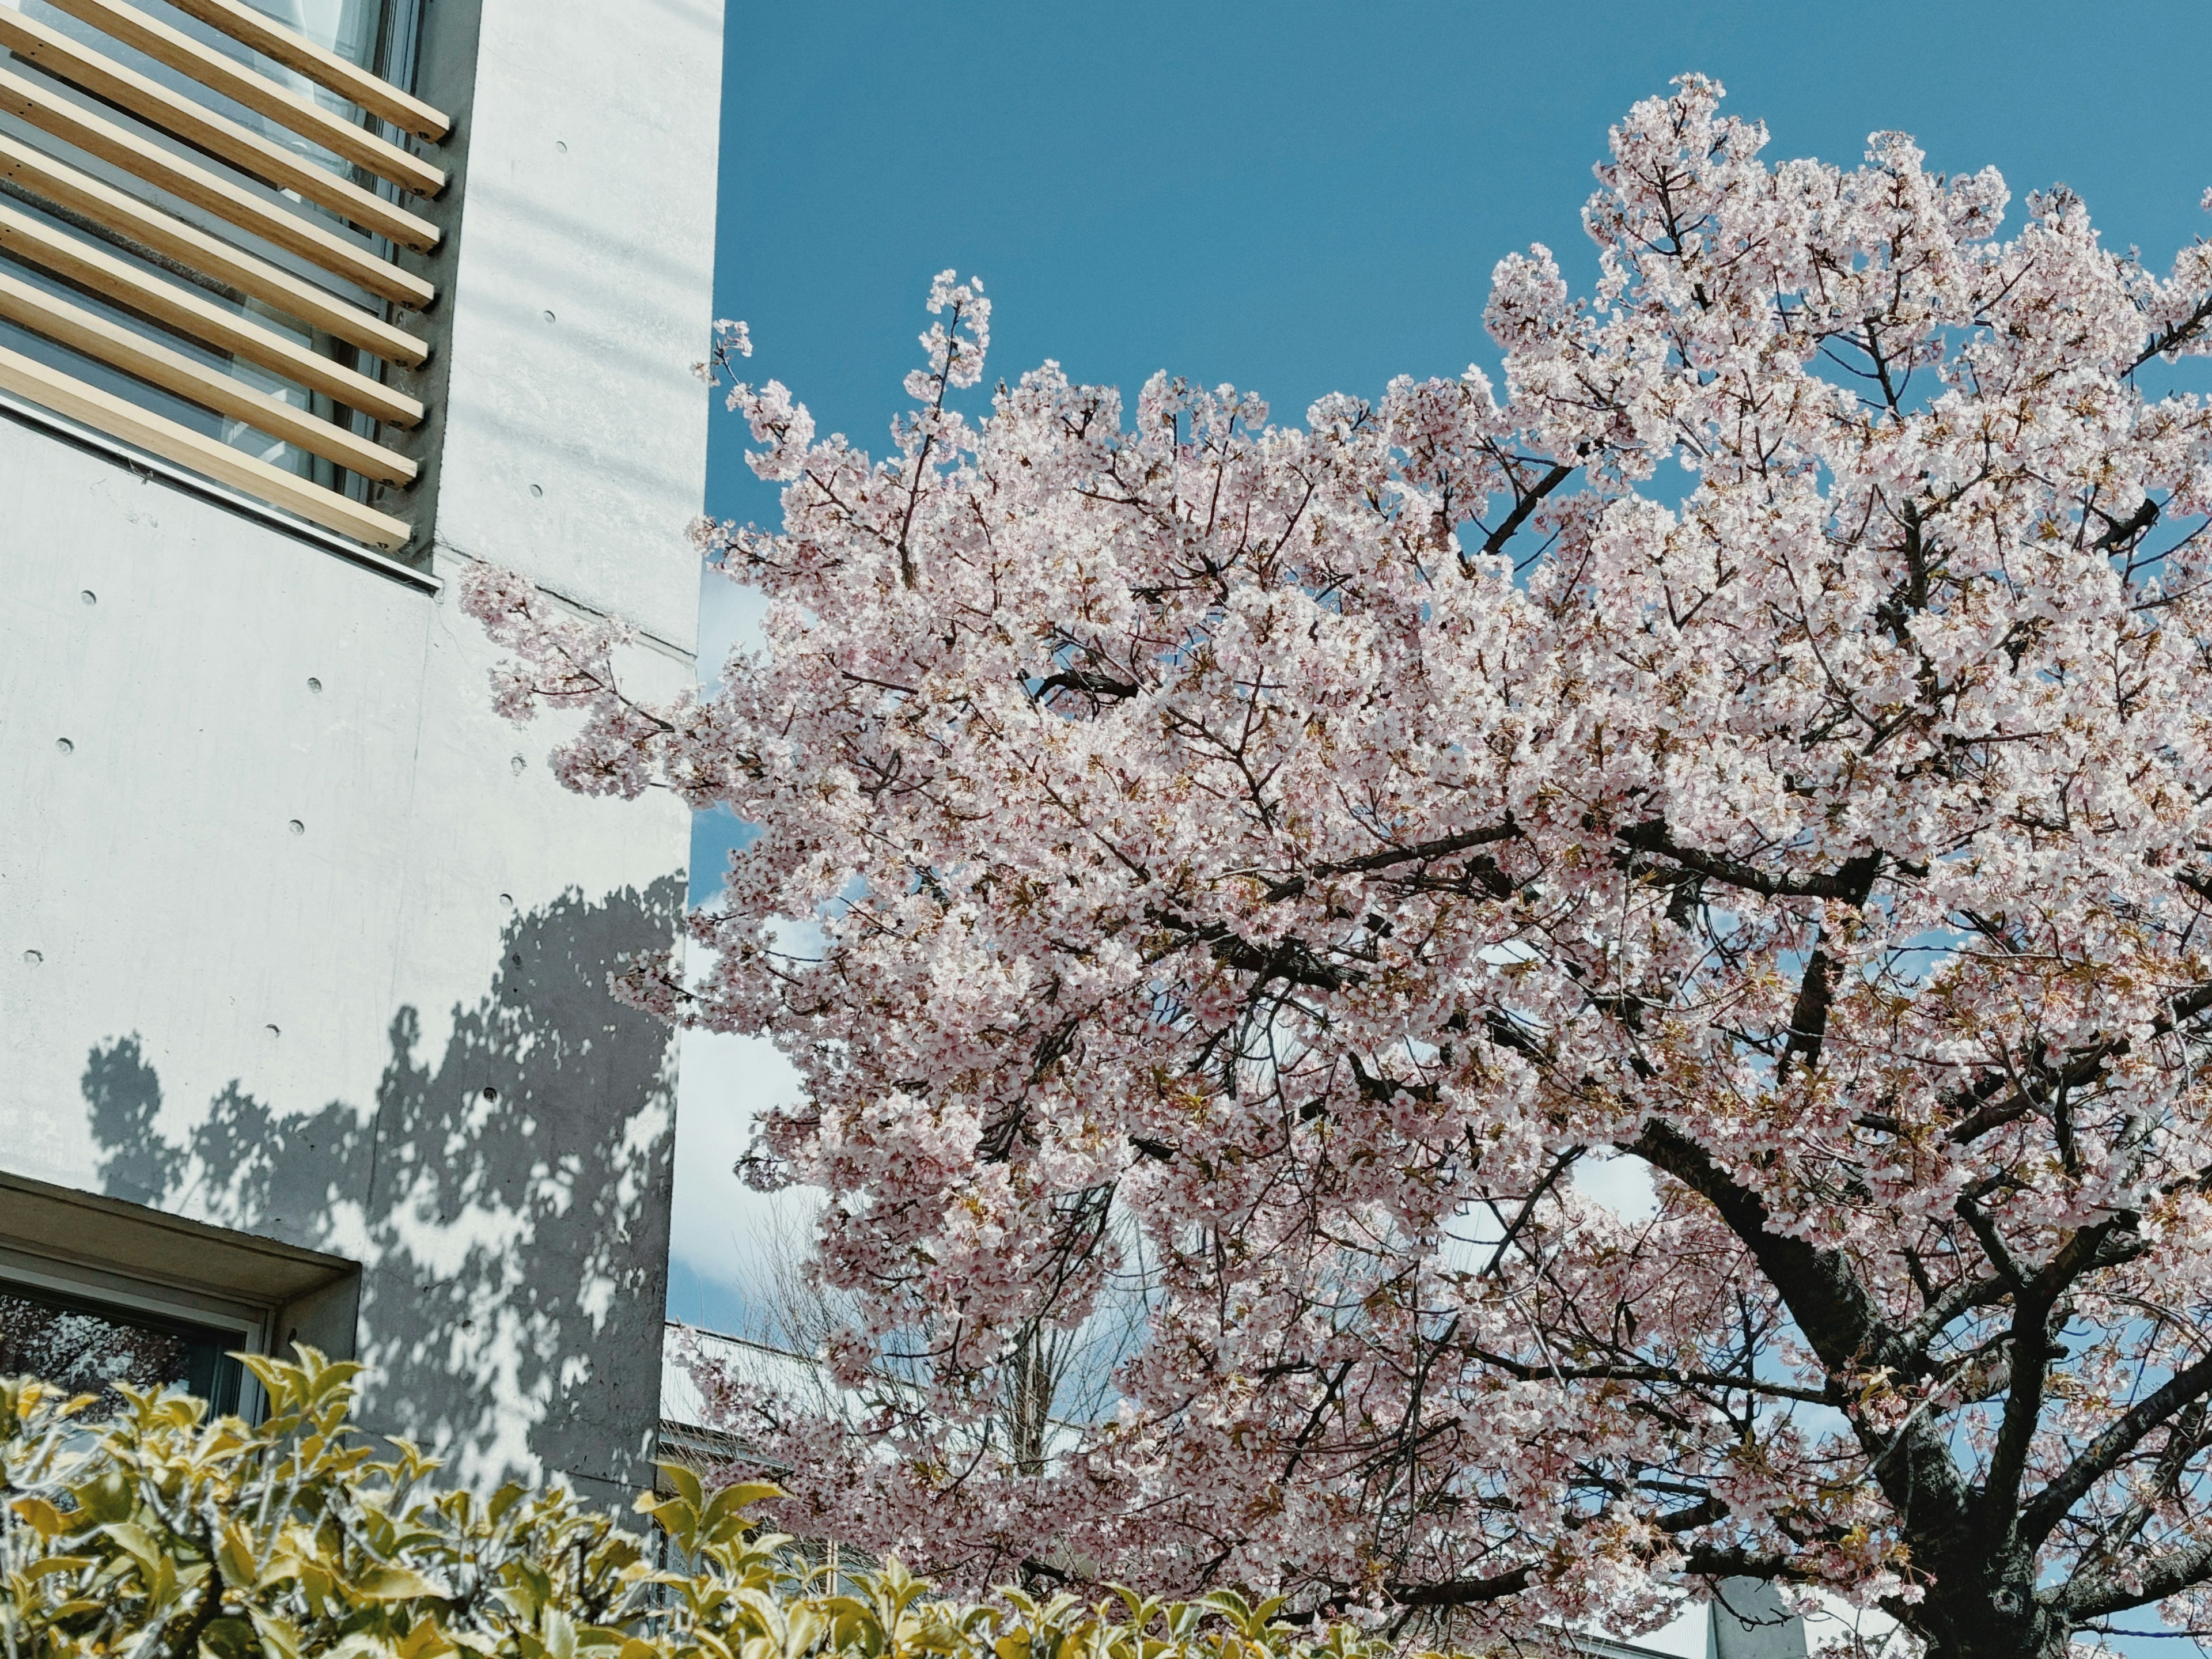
(1255, 870)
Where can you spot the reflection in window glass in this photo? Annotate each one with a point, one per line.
(348, 27)
(353, 28)
(89, 1347)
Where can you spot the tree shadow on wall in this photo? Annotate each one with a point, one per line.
(507, 1201)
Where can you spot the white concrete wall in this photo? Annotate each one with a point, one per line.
(292, 1033)
(566, 418)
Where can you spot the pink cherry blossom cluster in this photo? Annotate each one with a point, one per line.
(1245, 870)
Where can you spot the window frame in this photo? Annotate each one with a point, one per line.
(135, 1258)
(95, 1289)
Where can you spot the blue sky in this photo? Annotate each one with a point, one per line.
(1297, 197)
(1301, 198)
(1306, 198)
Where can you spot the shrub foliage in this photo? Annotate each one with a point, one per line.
(162, 1531)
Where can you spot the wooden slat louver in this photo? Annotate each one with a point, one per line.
(350, 82)
(185, 300)
(258, 92)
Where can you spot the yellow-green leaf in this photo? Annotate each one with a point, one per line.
(45, 1519)
(425, 1641)
(134, 1541)
(280, 1637)
(392, 1584)
(686, 1483)
(234, 1556)
(104, 1500)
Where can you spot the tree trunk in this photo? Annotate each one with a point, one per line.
(1983, 1627)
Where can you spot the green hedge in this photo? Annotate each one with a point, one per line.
(161, 1532)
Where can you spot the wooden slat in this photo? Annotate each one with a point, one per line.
(241, 85)
(26, 238)
(165, 233)
(218, 135)
(134, 354)
(191, 182)
(350, 80)
(158, 435)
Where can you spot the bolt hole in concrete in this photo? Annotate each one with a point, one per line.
(298, 828)
(90, 596)
(507, 900)
(490, 1093)
(537, 489)
(32, 958)
(549, 316)
(562, 148)
(65, 745)
(314, 686)
(272, 1030)
(517, 765)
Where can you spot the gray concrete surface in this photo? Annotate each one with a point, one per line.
(296, 937)
(579, 273)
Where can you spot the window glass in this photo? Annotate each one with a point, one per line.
(365, 32)
(348, 27)
(89, 1347)
(353, 28)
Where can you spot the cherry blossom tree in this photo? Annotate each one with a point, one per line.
(1256, 868)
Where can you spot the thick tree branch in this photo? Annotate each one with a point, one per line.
(2033, 1305)
(2177, 336)
(1086, 680)
(1523, 505)
(1816, 993)
(2084, 1069)
(2150, 1577)
(2120, 532)
(2184, 1441)
(1846, 885)
(1671, 1375)
(1832, 1308)
(2043, 1511)
(1705, 1560)
(1979, 1292)
(1289, 960)
(1388, 856)
(1823, 1292)
(1463, 1592)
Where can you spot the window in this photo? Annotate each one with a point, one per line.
(95, 1292)
(90, 1345)
(200, 203)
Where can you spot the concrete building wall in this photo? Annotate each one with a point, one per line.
(581, 286)
(298, 939)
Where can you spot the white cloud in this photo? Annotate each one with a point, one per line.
(718, 1226)
(729, 616)
(1622, 1185)
(718, 1222)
